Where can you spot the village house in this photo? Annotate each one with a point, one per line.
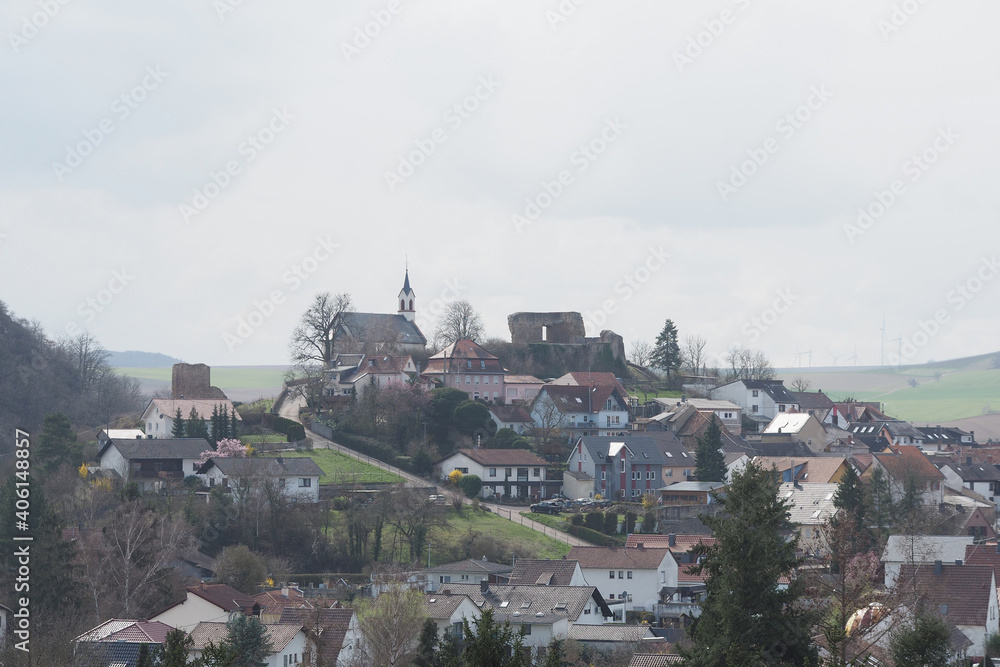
(983, 479)
(289, 643)
(207, 602)
(795, 427)
(546, 572)
(905, 465)
(297, 478)
(467, 366)
(630, 579)
(626, 467)
(810, 510)
(688, 493)
(514, 417)
(160, 413)
(763, 398)
(119, 641)
(334, 633)
(921, 549)
(521, 388)
(539, 613)
(577, 410)
(730, 414)
(814, 469)
(353, 374)
(468, 571)
(504, 472)
(449, 611)
(152, 463)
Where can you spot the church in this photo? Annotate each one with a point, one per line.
(378, 332)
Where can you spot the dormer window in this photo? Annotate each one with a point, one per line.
(468, 364)
(482, 363)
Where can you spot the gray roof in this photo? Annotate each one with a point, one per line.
(693, 486)
(645, 449)
(977, 472)
(167, 448)
(357, 324)
(439, 606)
(535, 571)
(269, 467)
(531, 604)
(811, 503)
(609, 633)
(472, 565)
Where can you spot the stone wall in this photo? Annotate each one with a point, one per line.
(193, 382)
(565, 328)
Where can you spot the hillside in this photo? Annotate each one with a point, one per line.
(135, 359)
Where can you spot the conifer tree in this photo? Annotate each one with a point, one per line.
(178, 428)
(710, 461)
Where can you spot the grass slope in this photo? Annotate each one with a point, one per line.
(342, 469)
(521, 540)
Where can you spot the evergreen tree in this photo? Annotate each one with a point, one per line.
(710, 461)
(247, 640)
(427, 645)
(745, 618)
(850, 495)
(881, 507)
(175, 649)
(492, 644)
(178, 428)
(57, 445)
(450, 652)
(214, 434)
(667, 351)
(224, 423)
(195, 426)
(233, 431)
(556, 655)
(926, 642)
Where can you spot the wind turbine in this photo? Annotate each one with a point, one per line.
(854, 357)
(834, 357)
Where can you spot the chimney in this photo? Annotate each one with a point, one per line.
(484, 585)
(638, 545)
(938, 568)
(672, 540)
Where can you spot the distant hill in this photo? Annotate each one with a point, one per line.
(134, 359)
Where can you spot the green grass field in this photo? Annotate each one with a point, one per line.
(342, 469)
(521, 540)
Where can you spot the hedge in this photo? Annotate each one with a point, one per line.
(375, 449)
(585, 533)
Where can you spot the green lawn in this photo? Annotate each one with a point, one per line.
(521, 540)
(552, 520)
(342, 469)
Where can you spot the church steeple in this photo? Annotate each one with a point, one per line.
(407, 299)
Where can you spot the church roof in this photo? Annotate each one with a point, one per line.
(356, 324)
(406, 282)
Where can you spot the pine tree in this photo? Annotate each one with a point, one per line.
(924, 642)
(850, 495)
(745, 618)
(178, 428)
(247, 638)
(215, 436)
(175, 649)
(556, 655)
(233, 431)
(492, 644)
(427, 645)
(667, 351)
(224, 423)
(881, 507)
(57, 445)
(195, 426)
(710, 461)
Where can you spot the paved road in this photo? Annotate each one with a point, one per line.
(290, 410)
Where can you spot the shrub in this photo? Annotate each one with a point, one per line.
(577, 519)
(587, 534)
(610, 523)
(649, 522)
(471, 485)
(295, 432)
(594, 521)
(629, 522)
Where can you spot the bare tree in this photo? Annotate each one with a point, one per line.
(88, 357)
(313, 339)
(390, 625)
(548, 424)
(641, 352)
(801, 384)
(693, 354)
(459, 321)
(747, 364)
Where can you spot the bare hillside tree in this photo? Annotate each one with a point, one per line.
(640, 352)
(313, 339)
(459, 321)
(747, 364)
(693, 354)
(801, 384)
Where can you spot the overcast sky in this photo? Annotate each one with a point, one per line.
(699, 161)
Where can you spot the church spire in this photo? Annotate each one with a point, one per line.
(407, 298)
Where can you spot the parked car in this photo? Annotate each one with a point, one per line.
(545, 507)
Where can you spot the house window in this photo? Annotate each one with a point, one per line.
(669, 472)
(512, 392)
(506, 472)
(611, 574)
(687, 472)
(468, 364)
(781, 408)
(493, 472)
(281, 481)
(620, 574)
(727, 415)
(305, 482)
(194, 467)
(536, 471)
(603, 475)
(754, 408)
(650, 475)
(755, 393)
(464, 471)
(477, 380)
(496, 379)
(630, 574)
(468, 379)
(526, 628)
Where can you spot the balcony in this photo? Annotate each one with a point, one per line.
(677, 609)
(156, 474)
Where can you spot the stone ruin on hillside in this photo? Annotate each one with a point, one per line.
(564, 329)
(193, 382)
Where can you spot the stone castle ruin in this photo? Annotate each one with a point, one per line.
(193, 382)
(564, 334)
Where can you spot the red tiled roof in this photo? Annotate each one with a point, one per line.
(571, 398)
(272, 602)
(682, 543)
(961, 592)
(588, 378)
(127, 630)
(904, 460)
(223, 596)
(618, 557)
